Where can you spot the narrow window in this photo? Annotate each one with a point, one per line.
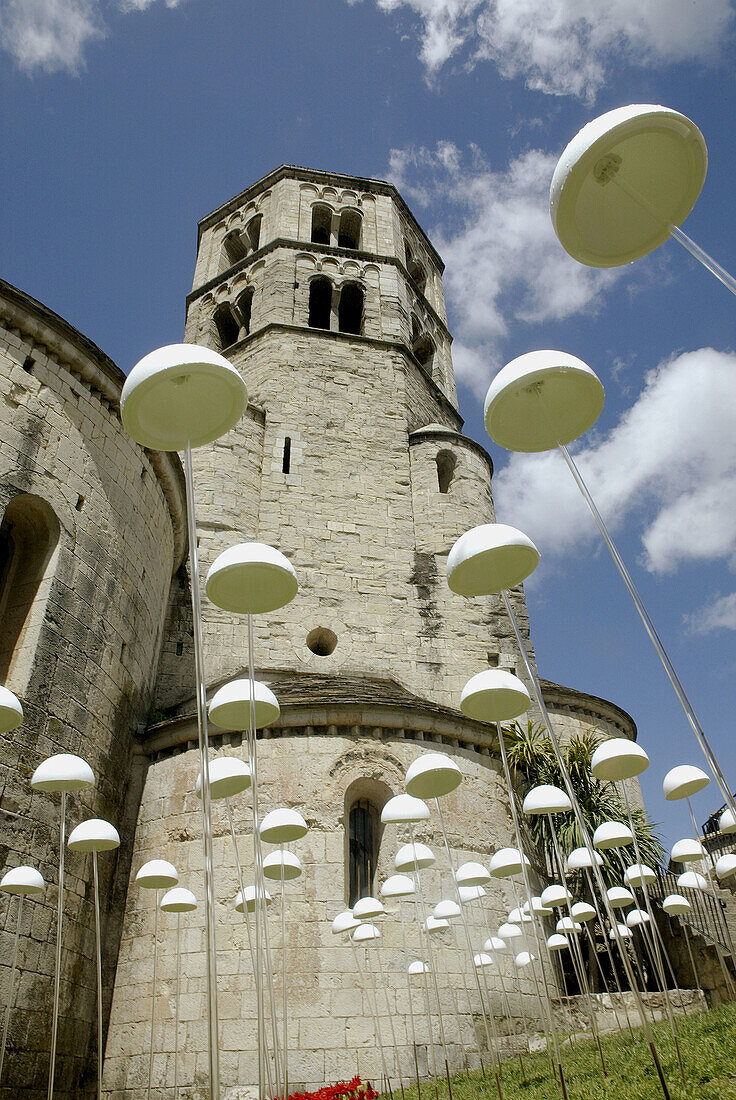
(226, 325)
(320, 302)
(363, 834)
(446, 463)
(348, 235)
(350, 310)
(286, 460)
(234, 247)
(245, 309)
(424, 350)
(253, 232)
(417, 274)
(29, 535)
(321, 224)
(416, 329)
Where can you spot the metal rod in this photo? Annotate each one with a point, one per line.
(711, 873)
(284, 1013)
(702, 256)
(584, 833)
(59, 923)
(203, 739)
(408, 991)
(176, 1006)
(546, 1004)
(11, 995)
(492, 1046)
(607, 945)
(98, 943)
(153, 990)
(382, 977)
(373, 1006)
(652, 632)
(659, 965)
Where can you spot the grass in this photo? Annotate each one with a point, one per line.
(707, 1044)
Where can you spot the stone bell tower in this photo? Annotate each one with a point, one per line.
(325, 292)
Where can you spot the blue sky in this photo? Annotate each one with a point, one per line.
(124, 122)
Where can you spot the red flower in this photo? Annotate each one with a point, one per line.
(343, 1090)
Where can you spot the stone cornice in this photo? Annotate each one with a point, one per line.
(62, 343)
(314, 175)
(558, 696)
(436, 432)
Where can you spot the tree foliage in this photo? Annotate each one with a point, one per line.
(532, 761)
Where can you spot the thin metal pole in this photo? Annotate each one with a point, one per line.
(702, 256)
(11, 994)
(652, 632)
(153, 990)
(59, 923)
(176, 1006)
(575, 952)
(204, 767)
(259, 899)
(659, 965)
(711, 872)
(408, 990)
(492, 1046)
(584, 833)
(382, 978)
(369, 989)
(98, 942)
(428, 937)
(607, 945)
(285, 1039)
(550, 1029)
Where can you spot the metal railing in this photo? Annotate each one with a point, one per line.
(706, 916)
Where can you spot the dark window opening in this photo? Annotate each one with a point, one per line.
(28, 364)
(417, 274)
(80, 504)
(253, 232)
(424, 350)
(179, 648)
(235, 249)
(245, 309)
(286, 460)
(416, 329)
(28, 537)
(350, 310)
(348, 235)
(321, 224)
(320, 302)
(226, 325)
(322, 641)
(362, 850)
(446, 463)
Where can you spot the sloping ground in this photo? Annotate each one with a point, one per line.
(707, 1044)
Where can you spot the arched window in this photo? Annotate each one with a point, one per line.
(424, 350)
(320, 302)
(321, 224)
(348, 235)
(363, 849)
(245, 309)
(227, 327)
(29, 535)
(234, 247)
(446, 463)
(253, 232)
(417, 274)
(416, 329)
(350, 309)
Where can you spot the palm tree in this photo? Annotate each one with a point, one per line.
(533, 761)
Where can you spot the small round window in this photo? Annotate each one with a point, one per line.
(321, 641)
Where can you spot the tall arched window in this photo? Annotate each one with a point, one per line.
(350, 309)
(245, 309)
(348, 235)
(234, 247)
(321, 224)
(424, 350)
(253, 232)
(320, 302)
(417, 274)
(227, 327)
(29, 535)
(446, 463)
(363, 849)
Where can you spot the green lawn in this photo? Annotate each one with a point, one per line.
(707, 1044)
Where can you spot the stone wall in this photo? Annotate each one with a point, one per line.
(84, 661)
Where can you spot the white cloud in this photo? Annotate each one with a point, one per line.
(53, 34)
(48, 34)
(565, 47)
(720, 614)
(668, 466)
(503, 261)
